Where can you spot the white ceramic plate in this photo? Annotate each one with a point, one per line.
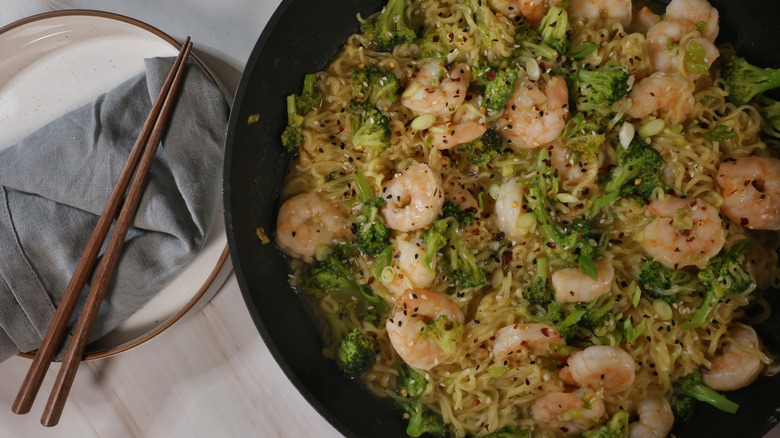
(57, 62)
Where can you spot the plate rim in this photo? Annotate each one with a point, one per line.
(211, 280)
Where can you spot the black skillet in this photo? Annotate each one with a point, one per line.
(301, 37)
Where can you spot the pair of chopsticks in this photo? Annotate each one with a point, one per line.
(136, 169)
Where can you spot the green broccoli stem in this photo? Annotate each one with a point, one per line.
(704, 312)
(363, 188)
(308, 84)
(541, 269)
(691, 386)
(292, 112)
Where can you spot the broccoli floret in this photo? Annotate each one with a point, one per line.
(616, 427)
(297, 106)
(499, 88)
(597, 90)
(530, 44)
(309, 98)
(596, 312)
(459, 265)
(370, 128)
(355, 354)
(539, 291)
(423, 420)
(292, 137)
(655, 280)
(451, 209)
(332, 274)
(460, 268)
(555, 30)
(722, 275)
(770, 111)
(583, 135)
(353, 351)
(637, 175)
(509, 432)
(388, 28)
(410, 383)
(484, 149)
(373, 236)
(692, 386)
(374, 85)
(573, 242)
(443, 332)
(435, 239)
(684, 407)
(432, 45)
(744, 81)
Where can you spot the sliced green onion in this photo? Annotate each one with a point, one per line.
(481, 200)
(526, 221)
(636, 297)
(695, 59)
(626, 134)
(582, 50)
(533, 70)
(424, 121)
(573, 126)
(573, 318)
(387, 274)
(663, 309)
(566, 198)
(383, 260)
(412, 88)
(651, 128)
(677, 129)
(632, 333)
(494, 191)
(720, 133)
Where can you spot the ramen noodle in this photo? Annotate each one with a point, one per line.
(554, 218)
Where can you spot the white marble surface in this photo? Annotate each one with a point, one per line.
(210, 375)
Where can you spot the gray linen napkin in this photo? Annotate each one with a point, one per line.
(54, 185)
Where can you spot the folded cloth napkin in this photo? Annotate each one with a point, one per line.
(55, 183)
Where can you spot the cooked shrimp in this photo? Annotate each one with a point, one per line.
(417, 306)
(735, 368)
(696, 11)
(668, 93)
(532, 10)
(751, 191)
(569, 412)
(655, 419)
(513, 340)
(647, 18)
(570, 167)
(411, 273)
(414, 198)
(467, 124)
(684, 233)
(671, 29)
(306, 221)
(509, 207)
(456, 192)
(610, 11)
(603, 367)
(436, 90)
(573, 286)
(535, 115)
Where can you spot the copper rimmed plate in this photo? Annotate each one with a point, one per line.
(56, 62)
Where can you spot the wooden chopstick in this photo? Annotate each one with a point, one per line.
(148, 139)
